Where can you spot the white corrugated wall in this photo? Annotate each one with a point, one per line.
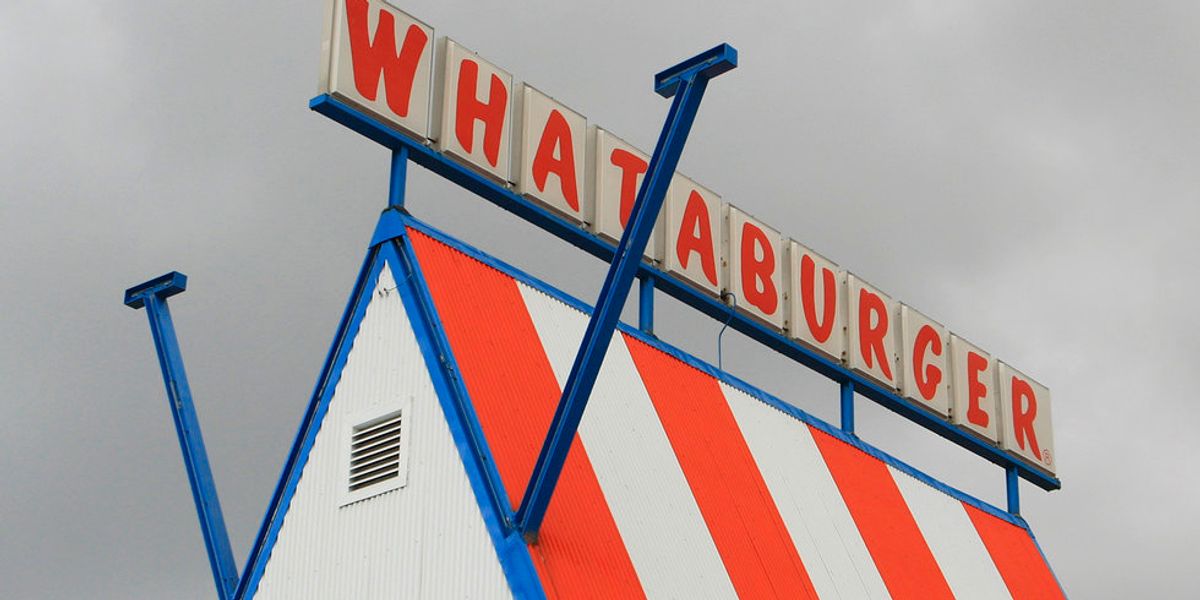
(425, 540)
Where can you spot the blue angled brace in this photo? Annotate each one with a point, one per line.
(685, 82)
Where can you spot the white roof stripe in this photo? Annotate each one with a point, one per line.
(808, 499)
(651, 502)
(953, 540)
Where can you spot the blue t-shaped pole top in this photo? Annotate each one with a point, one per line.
(161, 287)
(706, 65)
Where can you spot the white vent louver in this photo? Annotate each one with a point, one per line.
(375, 452)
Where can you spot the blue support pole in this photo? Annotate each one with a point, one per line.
(1013, 478)
(848, 407)
(153, 296)
(646, 305)
(685, 82)
(399, 178)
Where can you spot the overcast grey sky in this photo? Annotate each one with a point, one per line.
(1024, 172)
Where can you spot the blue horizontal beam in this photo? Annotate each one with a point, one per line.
(505, 198)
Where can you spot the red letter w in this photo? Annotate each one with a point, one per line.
(378, 56)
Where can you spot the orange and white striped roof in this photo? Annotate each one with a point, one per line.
(684, 483)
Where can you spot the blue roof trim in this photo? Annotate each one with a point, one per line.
(1057, 581)
(335, 360)
(723, 376)
(480, 466)
(511, 550)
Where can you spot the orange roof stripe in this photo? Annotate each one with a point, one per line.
(1017, 558)
(741, 515)
(580, 553)
(893, 538)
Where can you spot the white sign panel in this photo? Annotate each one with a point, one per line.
(692, 234)
(870, 332)
(476, 127)
(618, 171)
(1025, 417)
(756, 263)
(973, 394)
(553, 155)
(924, 356)
(380, 59)
(816, 301)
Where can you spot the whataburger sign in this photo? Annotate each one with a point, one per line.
(389, 64)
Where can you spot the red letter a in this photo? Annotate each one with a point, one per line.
(557, 136)
(631, 166)
(695, 235)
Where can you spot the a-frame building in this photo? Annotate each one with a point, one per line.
(654, 474)
(682, 481)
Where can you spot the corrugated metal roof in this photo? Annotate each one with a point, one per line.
(514, 392)
(682, 482)
(782, 507)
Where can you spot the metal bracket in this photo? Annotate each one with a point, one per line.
(152, 295)
(646, 305)
(847, 389)
(1012, 480)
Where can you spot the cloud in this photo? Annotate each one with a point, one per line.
(1024, 173)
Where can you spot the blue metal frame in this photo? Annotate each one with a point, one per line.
(1042, 554)
(398, 179)
(505, 198)
(510, 549)
(686, 82)
(847, 389)
(152, 295)
(441, 360)
(646, 305)
(1013, 488)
